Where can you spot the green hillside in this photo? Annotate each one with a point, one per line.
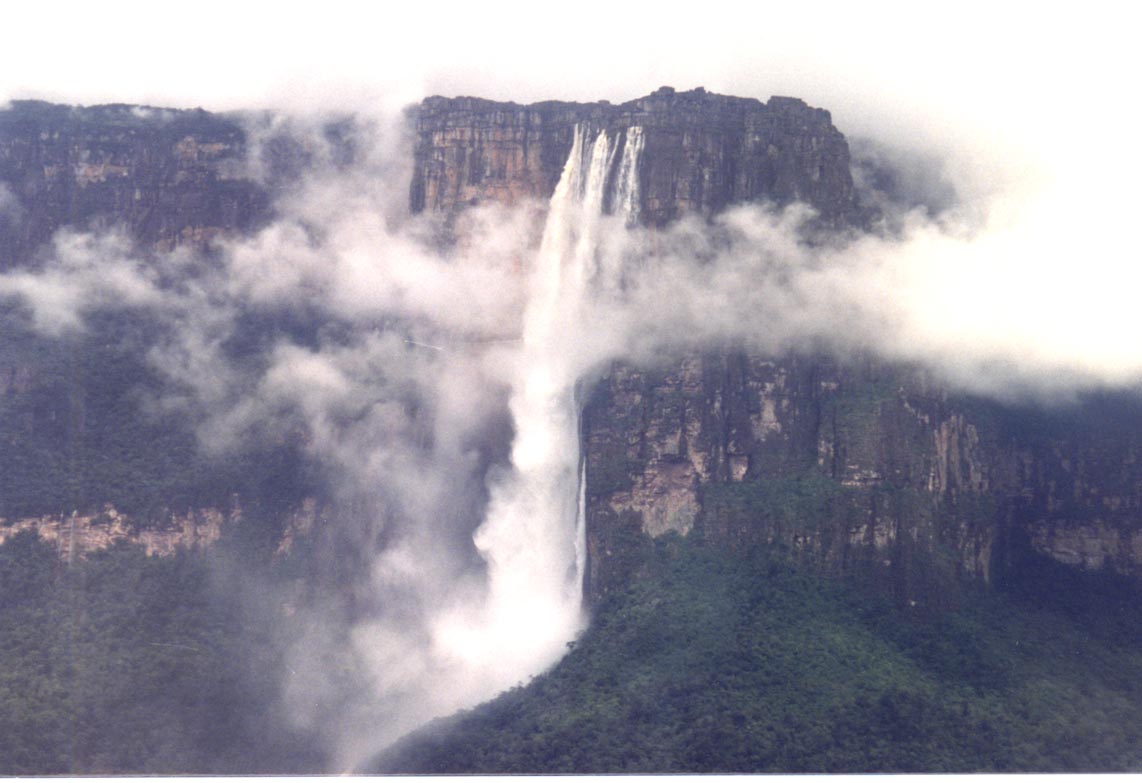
(129, 664)
(719, 663)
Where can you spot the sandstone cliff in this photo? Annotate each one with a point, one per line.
(169, 177)
(165, 178)
(702, 152)
(77, 535)
(858, 466)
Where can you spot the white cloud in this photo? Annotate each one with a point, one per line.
(85, 273)
(1033, 273)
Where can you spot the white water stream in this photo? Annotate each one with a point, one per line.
(534, 538)
(485, 636)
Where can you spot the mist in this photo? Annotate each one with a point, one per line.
(1004, 262)
(431, 393)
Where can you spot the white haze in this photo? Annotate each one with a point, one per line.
(1023, 286)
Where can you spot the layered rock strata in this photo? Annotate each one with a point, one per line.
(77, 535)
(857, 466)
(702, 152)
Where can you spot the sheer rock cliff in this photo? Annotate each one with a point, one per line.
(168, 177)
(702, 152)
(859, 466)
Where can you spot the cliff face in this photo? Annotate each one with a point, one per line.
(855, 467)
(859, 467)
(702, 152)
(78, 534)
(169, 177)
(165, 178)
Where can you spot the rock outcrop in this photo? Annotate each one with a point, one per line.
(164, 178)
(857, 466)
(78, 535)
(853, 466)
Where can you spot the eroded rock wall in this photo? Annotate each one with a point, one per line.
(77, 535)
(857, 466)
(169, 178)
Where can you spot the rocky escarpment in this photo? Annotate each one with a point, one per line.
(702, 152)
(165, 179)
(77, 535)
(168, 177)
(857, 466)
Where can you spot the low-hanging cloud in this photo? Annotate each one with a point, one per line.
(403, 384)
(1014, 305)
(11, 212)
(86, 273)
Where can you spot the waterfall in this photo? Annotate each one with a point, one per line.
(484, 634)
(533, 539)
(626, 179)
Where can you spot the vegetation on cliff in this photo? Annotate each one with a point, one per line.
(698, 659)
(125, 663)
(746, 663)
(88, 430)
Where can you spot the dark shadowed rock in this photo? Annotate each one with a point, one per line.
(169, 177)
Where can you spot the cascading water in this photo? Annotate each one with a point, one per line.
(440, 645)
(626, 179)
(533, 538)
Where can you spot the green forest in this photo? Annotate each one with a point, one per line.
(746, 663)
(129, 664)
(714, 662)
(710, 661)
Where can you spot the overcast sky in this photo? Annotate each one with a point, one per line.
(1032, 107)
(977, 66)
(1023, 78)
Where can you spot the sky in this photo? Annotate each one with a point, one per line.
(973, 64)
(1020, 85)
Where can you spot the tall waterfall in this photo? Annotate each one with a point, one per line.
(457, 643)
(533, 538)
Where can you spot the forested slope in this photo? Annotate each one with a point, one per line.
(717, 663)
